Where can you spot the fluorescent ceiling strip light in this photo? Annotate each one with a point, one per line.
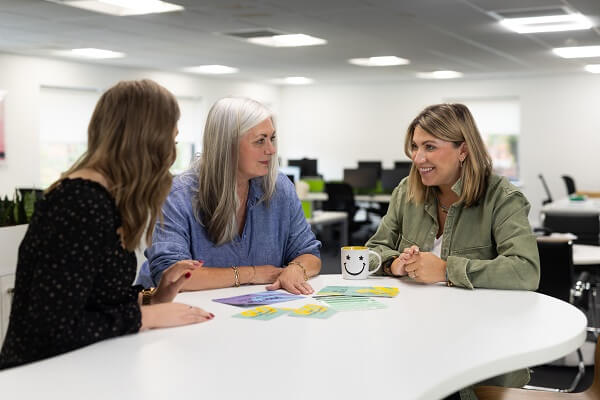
(577, 52)
(439, 75)
(123, 7)
(294, 80)
(212, 69)
(293, 40)
(383, 61)
(90, 53)
(550, 23)
(593, 68)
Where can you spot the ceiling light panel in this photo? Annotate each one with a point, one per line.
(577, 51)
(593, 68)
(212, 69)
(292, 40)
(443, 74)
(382, 61)
(122, 8)
(90, 53)
(548, 23)
(294, 80)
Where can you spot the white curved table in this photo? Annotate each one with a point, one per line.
(429, 342)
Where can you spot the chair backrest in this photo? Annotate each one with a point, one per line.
(585, 226)
(556, 268)
(570, 183)
(340, 197)
(548, 195)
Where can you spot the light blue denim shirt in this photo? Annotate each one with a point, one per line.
(273, 234)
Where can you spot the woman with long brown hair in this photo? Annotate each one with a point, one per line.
(77, 262)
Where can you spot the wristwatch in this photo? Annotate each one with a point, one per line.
(387, 266)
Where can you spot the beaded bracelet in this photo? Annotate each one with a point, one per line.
(236, 276)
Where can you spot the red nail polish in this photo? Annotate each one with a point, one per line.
(211, 315)
(187, 275)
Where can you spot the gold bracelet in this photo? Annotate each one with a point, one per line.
(147, 296)
(301, 266)
(236, 276)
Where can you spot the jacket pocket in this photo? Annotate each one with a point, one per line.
(405, 242)
(485, 252)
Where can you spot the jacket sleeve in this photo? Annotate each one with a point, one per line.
(386, 239)
(517, 265)
(171, 239)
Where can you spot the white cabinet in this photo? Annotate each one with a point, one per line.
(10, 239)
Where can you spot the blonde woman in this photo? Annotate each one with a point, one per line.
(77, 262)
(234, 213)
(451, 220)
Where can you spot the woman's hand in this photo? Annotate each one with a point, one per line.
(291, 279)
(426, 268)
(172, 314)
(265, 274)
(408, 256)
(173, 279)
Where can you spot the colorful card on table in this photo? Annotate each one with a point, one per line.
(358, 291)
(312, 311)
(258, 299)
(262, 313)
(352, 303)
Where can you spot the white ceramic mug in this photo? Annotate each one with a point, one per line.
(355, 262)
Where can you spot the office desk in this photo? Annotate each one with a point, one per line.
(566, 206)
(324, 218)
(315, 196)
(585, 254)
(373, 198)
(430, 341)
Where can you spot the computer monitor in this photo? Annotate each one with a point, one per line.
(291, 172)
(390, 178)
(361, 178)
(371, 164)
(308, 166)
(402, 164)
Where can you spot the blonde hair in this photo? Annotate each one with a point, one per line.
(216, 201)
(451, 123)
(130, 142)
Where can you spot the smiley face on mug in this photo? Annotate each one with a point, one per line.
(355, 264)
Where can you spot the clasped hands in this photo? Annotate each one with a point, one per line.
(420, 266)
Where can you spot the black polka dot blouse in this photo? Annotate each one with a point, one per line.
(73, 281)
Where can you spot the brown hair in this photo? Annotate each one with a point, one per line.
(451, 123)
(130, 141)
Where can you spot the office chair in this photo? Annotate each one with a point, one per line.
(502, 393)
(585, 226)
(548, 195)
(341, 198)
(556, 280)
(570, 183)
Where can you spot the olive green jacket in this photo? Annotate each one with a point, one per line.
(487, 245)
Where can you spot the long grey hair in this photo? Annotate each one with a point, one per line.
(216, 201)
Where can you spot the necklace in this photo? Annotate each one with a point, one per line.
(443, 207)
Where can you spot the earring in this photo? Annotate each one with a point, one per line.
(462, 160)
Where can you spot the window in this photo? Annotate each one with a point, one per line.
(64, 117)
(498, 120)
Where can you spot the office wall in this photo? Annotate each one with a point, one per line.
(340, 124)
(22, 77)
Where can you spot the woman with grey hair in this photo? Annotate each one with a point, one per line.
(234, 212)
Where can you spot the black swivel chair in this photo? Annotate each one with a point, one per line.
(556, 280)
(548, 195)
(340, 197)
(570, 183)
(585, 226)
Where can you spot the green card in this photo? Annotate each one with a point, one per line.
(352, 303)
